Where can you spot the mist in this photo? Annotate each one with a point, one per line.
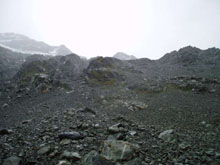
(143, 28)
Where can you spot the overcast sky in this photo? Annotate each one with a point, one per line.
(144, 28)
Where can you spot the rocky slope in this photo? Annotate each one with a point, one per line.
(134, 112)
(10, 63)
(23, 44)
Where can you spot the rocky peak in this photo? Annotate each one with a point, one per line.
(191, 55)
(186, 55)
(23, 44)
(123, 56)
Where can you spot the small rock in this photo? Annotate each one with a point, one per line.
(64, 162)
(4, 131)
(208, 125)
(117, 136)
(217, 155)
(132, 133)
(14, 160)
(178, 163)
(115, 128)
(203, 122)
(5, 105)
(26, 121)
(88, 110)
(96, 125)
(212, 91)
(71, 135)
(184, 145)
(65, 141)
(167, 136)
(84, 126)
(71, 155)
(44, 150)
(53, 154)
(55, 128)
(210, 152)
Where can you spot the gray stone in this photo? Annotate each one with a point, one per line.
(44, 150)
(184, 145)
(167, 136)
(64, 162)
(212, 91)
(132, 133)
(71, 135)
(210, 152)
(53, 154)
(115, 128)
(65, 141)
(93, 158)
(13, 160)
(71, 155)
(26, 121)
(217, 155)
(5, 105)
(117, 136)
(88, 110)
(117, 150)
(209, 126)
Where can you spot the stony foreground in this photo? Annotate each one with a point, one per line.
(89, 137)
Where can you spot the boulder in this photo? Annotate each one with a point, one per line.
(117, 150)
(44, 150)
(13, 160)
(167, 136)
(93, 158)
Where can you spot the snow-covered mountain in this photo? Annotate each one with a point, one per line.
(123, 56)
(23, 44)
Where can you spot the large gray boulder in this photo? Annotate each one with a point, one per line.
(93, 158)
(118, 150)
(13, 160)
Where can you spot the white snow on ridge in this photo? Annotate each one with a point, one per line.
(5, 40)
(22, 44)
(25, 52)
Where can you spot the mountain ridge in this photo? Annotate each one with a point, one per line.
(23, 44)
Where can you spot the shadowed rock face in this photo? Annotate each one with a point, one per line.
(58, 68)
(10, 63)
(104, 71)
(21, 43)
(191, 56)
